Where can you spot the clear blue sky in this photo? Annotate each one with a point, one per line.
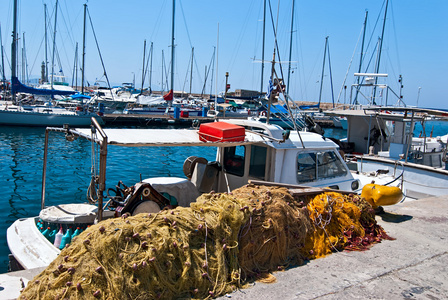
(415, 42)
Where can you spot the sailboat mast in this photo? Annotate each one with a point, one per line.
(54, 43)
(216, 81)
(143, 69)
(75, 68)
(150, 68)
(83, 48)
(355, 101)
(46, 45)
(172, 50)
(379, 52)
(163, 60)
(14, 50)
(3, 58)
(323, 68)
(262, 47)
(290, 47)
(191, 71)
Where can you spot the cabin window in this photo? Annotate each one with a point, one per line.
(319, 165)
(306, 167)
(329, 165)
(257, 166)
(234, 160)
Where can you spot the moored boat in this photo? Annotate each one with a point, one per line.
(246, 151)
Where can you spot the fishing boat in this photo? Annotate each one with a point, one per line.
(381, 145)
(247, 151)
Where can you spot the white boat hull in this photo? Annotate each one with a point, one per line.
(25, 118)
(419, 181)
(29, 247)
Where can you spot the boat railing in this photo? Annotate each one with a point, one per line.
(70, 136)
(397, 173)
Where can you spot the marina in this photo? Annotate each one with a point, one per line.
(239, 182)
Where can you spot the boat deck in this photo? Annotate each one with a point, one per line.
(414, 266)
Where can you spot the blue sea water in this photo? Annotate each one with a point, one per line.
(68, 169)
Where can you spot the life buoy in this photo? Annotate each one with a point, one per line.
(263, 113)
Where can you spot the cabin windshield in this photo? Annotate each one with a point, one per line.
(312, 166)
(235, 157)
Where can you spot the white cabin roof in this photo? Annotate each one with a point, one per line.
(256, 133)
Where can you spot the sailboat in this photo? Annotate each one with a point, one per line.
(18, 114)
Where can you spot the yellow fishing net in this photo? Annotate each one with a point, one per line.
(206, 250)
(184, 252)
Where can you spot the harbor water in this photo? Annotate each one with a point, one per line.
(69, 169)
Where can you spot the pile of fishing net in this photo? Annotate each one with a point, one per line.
(341, 222)
(206, 250)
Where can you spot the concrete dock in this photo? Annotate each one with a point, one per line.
(413, 266)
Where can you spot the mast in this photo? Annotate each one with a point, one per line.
(172, 51)
(23, 58)
(379, 52)
(83, 49)
(14, 51)
(355, 101)
(163, 60)
(262, 47)
(290, 47)
(216, 81)
(150, 69)
(54, 43)
(3, 59)
(46, 45)
(143, 70)
(323, 67)
(75, 67)
(191, 71)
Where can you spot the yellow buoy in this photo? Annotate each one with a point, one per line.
(380, 195)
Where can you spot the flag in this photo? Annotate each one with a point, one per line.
(169, 96)
(270, 88)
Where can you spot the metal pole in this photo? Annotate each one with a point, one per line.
(103, 160)
(54, 44)
(262, 48)
(143, 70)
(172, 51)
(290, 47)
(44, 172)
(14, 51)
(83, 49)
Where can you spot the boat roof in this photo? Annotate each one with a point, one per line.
(256, 133)
(390, 113)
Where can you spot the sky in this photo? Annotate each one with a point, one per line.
(227, 36)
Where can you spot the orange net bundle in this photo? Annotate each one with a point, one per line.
(341, 222)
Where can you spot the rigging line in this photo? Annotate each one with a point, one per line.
(349, 66)
(395, 36)
(239, 40)
(208, 71)
(186, 75)
(35, 59)
(275, 36)
(374, 27)
(189, 39)
(331, 76)
(99, 52)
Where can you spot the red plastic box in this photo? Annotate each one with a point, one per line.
(221, 132)
(184, 114)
